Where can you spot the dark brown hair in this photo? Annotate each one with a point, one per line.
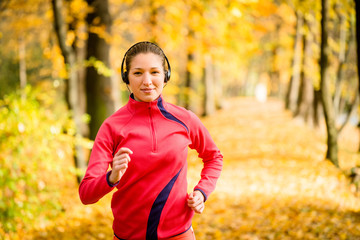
(143, 47)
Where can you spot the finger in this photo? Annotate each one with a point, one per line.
(195, 201)
(194, 204)
(201, 209)
(124, 150)
(191, 195)
(124, 156)
(198, 209)
(120, 167)
(120, 161)
(191, 202)
(199, 195)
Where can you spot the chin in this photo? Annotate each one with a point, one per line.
(148, 98)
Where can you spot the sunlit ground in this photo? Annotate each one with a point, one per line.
(275, 184)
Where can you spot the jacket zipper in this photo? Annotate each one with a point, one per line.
(152, 132)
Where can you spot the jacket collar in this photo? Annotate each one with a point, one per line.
(134, 105)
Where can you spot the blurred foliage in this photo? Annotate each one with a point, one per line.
(99, 67)
(9, 77)
(35, 157)
(233, 33)
(248, 41)
(26, 23)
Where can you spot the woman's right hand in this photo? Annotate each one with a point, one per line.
(120, 164)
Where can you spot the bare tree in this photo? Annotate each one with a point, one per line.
(293, 89)
(209, 93)
(329, 112)
(100, 89)
(357, 9)
(357, 12)
(72, 83)
(305, 110)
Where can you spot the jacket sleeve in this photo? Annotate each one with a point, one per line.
(209, 153)
(95, 183)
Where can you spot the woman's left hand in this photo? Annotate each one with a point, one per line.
(196, 201)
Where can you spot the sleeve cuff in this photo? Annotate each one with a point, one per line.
(108, 181)
(203, 193)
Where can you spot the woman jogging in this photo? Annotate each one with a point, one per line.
(146, 145)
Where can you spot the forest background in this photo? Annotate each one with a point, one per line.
(60, 78)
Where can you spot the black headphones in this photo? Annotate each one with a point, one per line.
(124, 74)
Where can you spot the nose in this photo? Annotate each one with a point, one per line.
(147, 79)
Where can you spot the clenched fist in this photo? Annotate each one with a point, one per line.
(120, 164)
(196, 201)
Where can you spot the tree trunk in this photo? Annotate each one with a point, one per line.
(306, 97)
(22, 65)
(275, 84)
(153, 21)
(72, 84)
(188, 81)
(357, 10)
(342, 59)
(293, 90)
(209, 101)
(329, 112)
(351, 111)
(357, 30)
(219, 103)
(318, 109)
(99, 88)
(80, 51)
(191, 83)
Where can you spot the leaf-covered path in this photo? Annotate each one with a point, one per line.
(275, 184)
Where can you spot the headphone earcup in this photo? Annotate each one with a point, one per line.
(167, 76)
(125, 77)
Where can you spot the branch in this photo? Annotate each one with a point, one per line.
(61, 30)
(353, 108)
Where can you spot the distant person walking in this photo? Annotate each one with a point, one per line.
(146, 144)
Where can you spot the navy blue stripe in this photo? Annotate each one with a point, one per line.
(118, 237)
(182, 232)
(156, 209)
(169, 115)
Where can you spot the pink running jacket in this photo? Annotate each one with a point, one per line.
(151, 198)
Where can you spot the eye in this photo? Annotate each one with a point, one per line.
(137, 73)
(155, 72)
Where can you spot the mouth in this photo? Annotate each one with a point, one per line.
(147, 90)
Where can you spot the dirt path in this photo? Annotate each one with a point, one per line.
(275, 183)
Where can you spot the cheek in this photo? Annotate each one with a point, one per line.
(134, 82)
(160, 82)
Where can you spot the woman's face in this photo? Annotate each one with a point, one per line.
(146, 77)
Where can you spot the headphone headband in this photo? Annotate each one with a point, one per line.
(124, 74)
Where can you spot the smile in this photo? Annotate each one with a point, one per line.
(147, 90)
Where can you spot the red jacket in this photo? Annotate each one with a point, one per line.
(151, 198)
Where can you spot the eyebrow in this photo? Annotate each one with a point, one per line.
(138, 68)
